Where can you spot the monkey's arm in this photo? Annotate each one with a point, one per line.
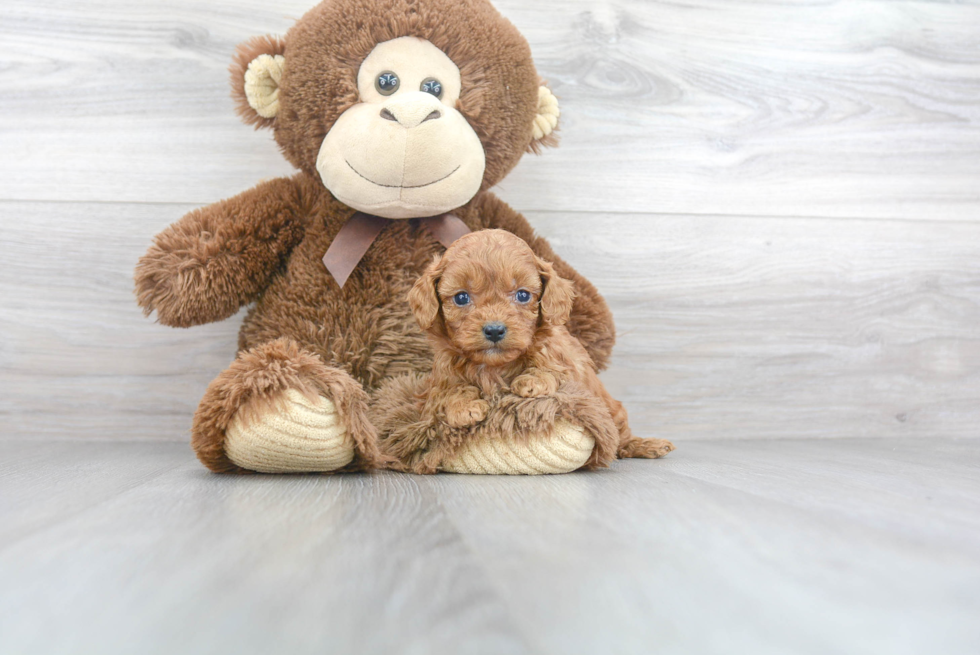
(208, 264)
(591, 321)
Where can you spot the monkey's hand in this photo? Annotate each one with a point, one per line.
(216, 259)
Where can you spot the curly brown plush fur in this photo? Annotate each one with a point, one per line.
(265, 245)
(495, 313)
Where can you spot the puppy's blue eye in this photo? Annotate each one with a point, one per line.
(523, 296)
(461, 299)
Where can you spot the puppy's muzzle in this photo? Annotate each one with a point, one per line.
(494, 332)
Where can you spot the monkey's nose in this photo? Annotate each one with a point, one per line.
(409, 121)
(494, 332)
(413, 110)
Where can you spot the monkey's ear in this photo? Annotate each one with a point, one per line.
(424, 298)
(255, 75)
(545, 121)
(557, 295)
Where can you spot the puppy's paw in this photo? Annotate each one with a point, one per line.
(645, 448)
(466, 413)
(532, 385)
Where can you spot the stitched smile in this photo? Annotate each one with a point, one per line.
(397, 186)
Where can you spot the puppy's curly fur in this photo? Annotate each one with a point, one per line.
(496, 315)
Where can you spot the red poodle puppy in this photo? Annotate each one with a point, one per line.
(497, 316)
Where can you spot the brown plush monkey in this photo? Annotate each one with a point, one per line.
(394, 111)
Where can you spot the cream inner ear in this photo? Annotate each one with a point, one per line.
(262, 84)
(548, 113)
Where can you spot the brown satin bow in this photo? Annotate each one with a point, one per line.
(360, 231)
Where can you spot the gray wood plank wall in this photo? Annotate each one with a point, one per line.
(780, 200)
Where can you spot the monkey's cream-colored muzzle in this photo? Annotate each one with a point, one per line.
(409, 156)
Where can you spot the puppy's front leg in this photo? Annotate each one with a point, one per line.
(535, 382)
(464, 407)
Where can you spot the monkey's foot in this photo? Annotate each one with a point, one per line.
(291, 434)
(566, 449)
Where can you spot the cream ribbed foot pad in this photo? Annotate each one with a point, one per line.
(566, 449)
(295, 436)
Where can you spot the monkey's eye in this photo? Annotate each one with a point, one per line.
(523, 296)
(387, 83)
(433, 86)
(462, 299)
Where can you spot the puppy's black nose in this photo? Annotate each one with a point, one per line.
(494, 332)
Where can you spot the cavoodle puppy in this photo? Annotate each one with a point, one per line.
(497, 315)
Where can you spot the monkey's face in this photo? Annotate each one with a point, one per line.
(403, 108)
(404, 150)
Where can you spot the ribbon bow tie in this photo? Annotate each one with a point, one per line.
(360, 231)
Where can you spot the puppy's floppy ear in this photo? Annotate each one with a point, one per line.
(557, 295)
(255, 76)
(424, 297)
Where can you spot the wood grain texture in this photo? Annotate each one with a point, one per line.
(776, 327)
(369, 565)
(752, 546)
(745, 314)
(781, 202)
(812, 108)
(727, 328)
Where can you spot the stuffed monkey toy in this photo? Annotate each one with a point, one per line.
(399, 115)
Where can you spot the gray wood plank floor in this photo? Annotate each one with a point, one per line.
(781, 202)
(757, 328)
(798, 546)
(698, 106)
